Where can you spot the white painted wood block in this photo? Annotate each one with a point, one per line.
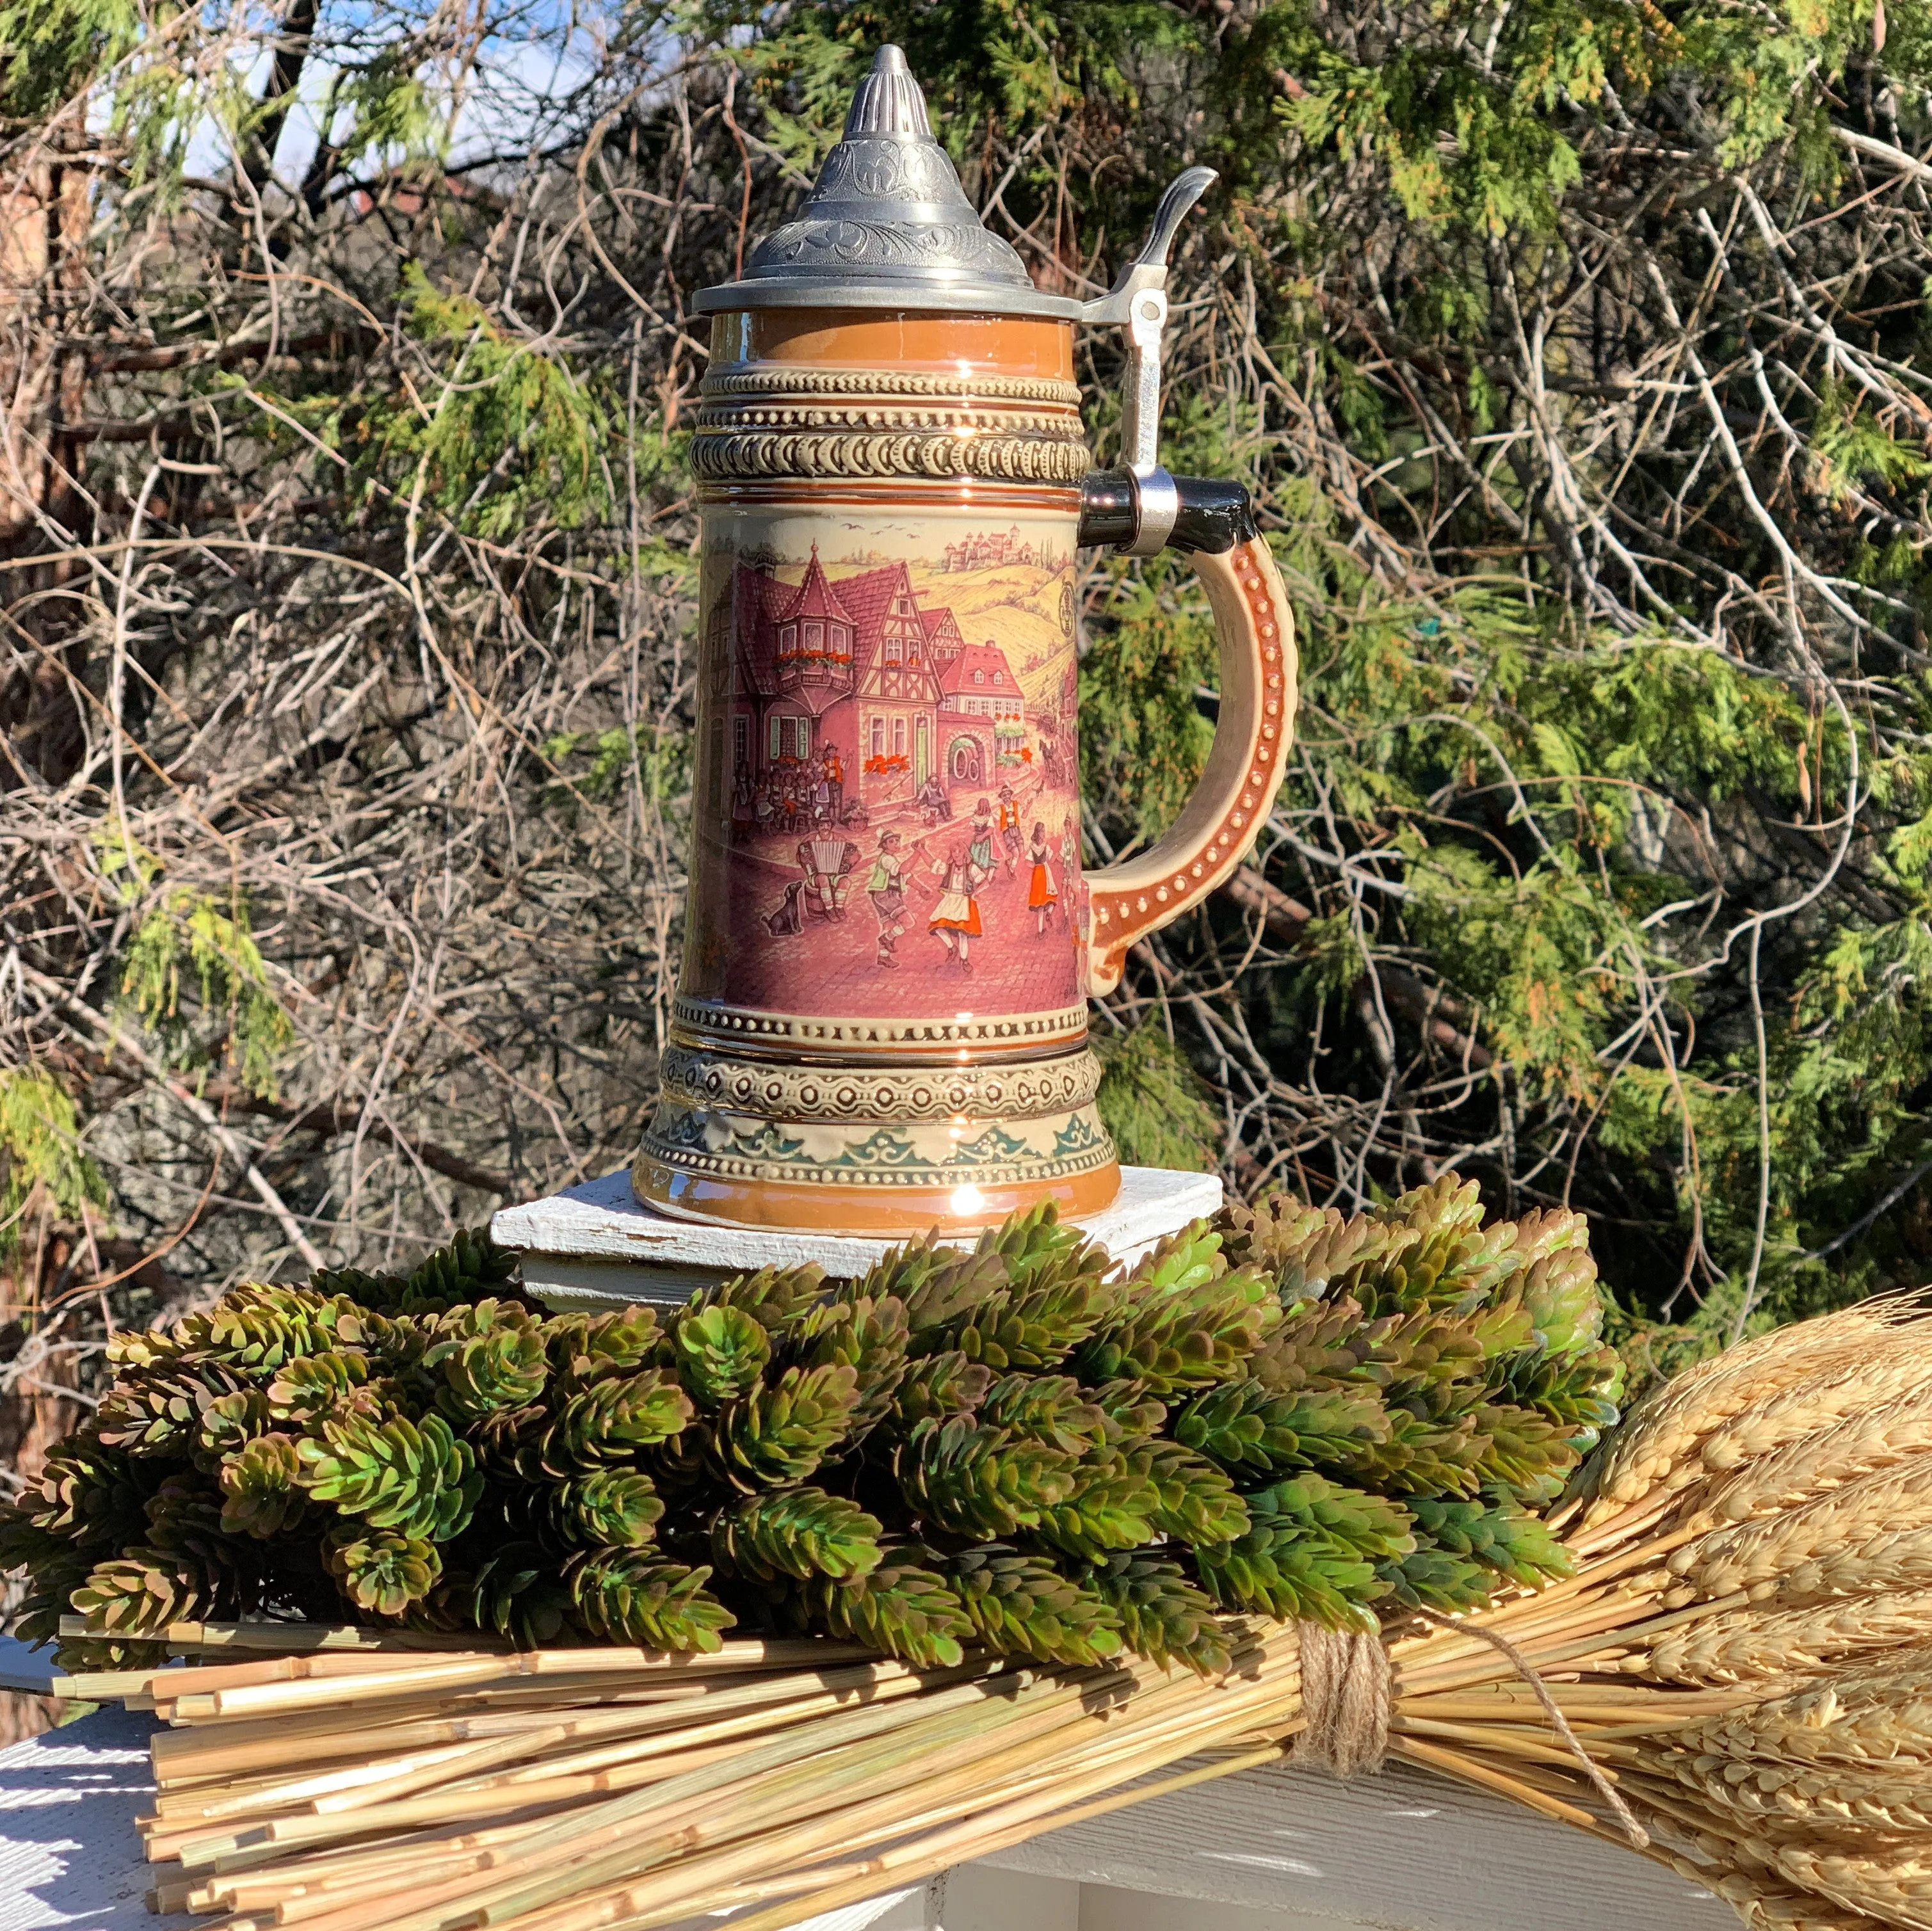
(597, 1245)
(1403, 1850)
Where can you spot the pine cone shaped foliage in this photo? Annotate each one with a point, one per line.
(1161, 1614)
(56, 1570)
(467, 1269)
(1050, 1408)
(305, 1387)
(1055, 1295)
(415, 1477)
(1242, 1425)
(1525, 1453)
(871, 1338)
(940, 1287)
(938, 1388)
(1423, 1456)
(899, 1608)
(775, 1297)
(1194, 1501)
(583, 1347)
(489, 1355)
(627, 1338)
(228, 1423)
(780, 1433)
(1559, 1286)
(157, 1410)
(1359, 1259)
(1129, 1408)
(140, 1592)
(1020, 1605)
(262, 1326)
(381, 1572)
(1502, 1537)
(1311, 1554)
(721, 1352)
(1031, 1243)
(261, 1487)
(1425, 1354)
(184, 1526)
(517, 1590)
(971, 1481)
(1458, 1261)
(611, 1420)
(801, 1532)
(1111, 1506)
(376, 1292)
(1579, 1391)
(632, 1597)
(134, 1348)
(611, 1508)
(88, 1493)
(1274, 1235)
(1186, 1322)
(1431, 1578)
(1318, 1345)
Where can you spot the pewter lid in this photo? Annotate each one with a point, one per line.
(888, 225)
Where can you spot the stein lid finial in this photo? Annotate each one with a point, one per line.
(887, 224)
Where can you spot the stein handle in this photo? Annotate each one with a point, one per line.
(1217, 827)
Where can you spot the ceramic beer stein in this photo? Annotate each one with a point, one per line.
(890, 938)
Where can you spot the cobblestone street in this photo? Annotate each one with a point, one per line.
(832, 966)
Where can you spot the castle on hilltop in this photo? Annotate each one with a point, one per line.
(989, 550)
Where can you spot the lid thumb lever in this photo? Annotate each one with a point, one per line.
(1137, 302)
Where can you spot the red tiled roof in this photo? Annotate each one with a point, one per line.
(957, 677)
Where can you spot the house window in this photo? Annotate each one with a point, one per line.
(898, 737)
(802, 736)
(741, 741)
(893, 648)
(788, 637)
(999, 677)
(838, 639)
(777, 749)
(979, 677)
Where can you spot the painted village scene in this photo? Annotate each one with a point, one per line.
(893, 747)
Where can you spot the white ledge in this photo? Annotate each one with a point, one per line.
(597, 1243)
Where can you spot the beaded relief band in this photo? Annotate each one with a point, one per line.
(977, 390)
(843, 1094)
(1016, 1032)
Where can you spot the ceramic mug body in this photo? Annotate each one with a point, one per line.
(881, 1019)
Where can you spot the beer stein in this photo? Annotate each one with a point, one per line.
(890, 937)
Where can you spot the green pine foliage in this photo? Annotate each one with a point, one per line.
(1292, 1414)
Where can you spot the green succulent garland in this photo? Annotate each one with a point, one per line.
(1291, 1413)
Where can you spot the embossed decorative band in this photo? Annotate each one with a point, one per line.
(894, 418)
(777, 379)
(703, 1079)
(1016, 1031)
(753, 453)
(714, 1145)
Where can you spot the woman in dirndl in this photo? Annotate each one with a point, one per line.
(955, 916)
(1043, 895)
